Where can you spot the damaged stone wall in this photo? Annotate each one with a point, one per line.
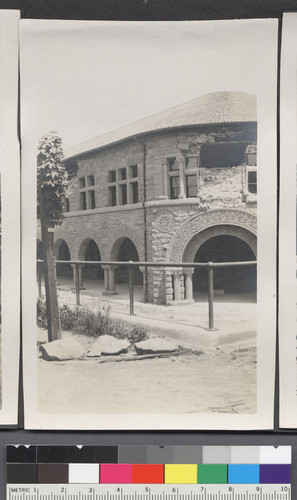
(221, 187)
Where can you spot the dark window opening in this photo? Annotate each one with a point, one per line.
(174, 187)
(83, 201)
(133, 171)
(91, 194)
(91, 180)
(134, 187)
(123, 174)
(67, 205)
(112, 176)
(112, 196)
(191, 186)
(173, 164)
(123, 188)
(252, 182)
(82, 182)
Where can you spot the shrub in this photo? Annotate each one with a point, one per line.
(68, 317)
(137, 334)
(41, 315)
(83, 321)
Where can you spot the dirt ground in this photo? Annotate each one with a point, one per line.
(223, 380)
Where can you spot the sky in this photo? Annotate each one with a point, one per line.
(82, 79)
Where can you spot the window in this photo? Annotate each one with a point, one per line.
(123, 186)
(112, 176)
(174, 184)
(112, 191)
(133, 171)
(87, 192)
(191, 186)
(66, 204)
(82, 182)
(83, 200)
(252, 181)
(187, 186)
(91, 195)
(90, 180)
(134, 194)
(123, 174)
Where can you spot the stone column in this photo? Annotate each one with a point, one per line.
(80, 276)
(177, 285)
(142, 270)
(188, 272)
(165, 180)
(106, 279)
(198, 170)
(111, 281)
(74, 267)
(182, 193)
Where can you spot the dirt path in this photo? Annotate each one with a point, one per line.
(224, 381)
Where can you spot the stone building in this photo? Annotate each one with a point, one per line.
(179, 186)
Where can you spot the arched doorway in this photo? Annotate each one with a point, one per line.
(89, 251)
(227, 280)
(128, 251)
(62, 252)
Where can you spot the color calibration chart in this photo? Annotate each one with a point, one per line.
(148, 472)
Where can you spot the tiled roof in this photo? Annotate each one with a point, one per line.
(214, 108)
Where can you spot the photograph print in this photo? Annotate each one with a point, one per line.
(146, 274)
(287, 230)
(9, 219)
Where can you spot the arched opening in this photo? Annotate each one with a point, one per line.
(128, 251)
(90, 251)
(227, 280)
(62, 253)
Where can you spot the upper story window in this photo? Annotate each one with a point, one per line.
(123, 186)
(251, 170)
(174, 180)
(87, 192)
(251, 181)
(183, 182)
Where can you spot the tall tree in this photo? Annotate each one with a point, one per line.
(52, 182)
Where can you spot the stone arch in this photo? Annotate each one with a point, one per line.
(116, 239)
(125, 250)
(199, 228)
(88, 251)
(221, 230)
(60, 245)
(62, 252)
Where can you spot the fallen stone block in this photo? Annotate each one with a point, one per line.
(155, 345)
(107, 345)
(61, 350)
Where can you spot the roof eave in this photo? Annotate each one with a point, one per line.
(141, 134)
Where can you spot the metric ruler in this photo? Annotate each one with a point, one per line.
(148, 492)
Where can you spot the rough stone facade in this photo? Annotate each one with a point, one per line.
(163, 225)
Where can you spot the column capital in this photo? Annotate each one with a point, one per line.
(188, 270)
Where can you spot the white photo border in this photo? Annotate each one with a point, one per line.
(287, 224)
(265, 72)
(10, 216)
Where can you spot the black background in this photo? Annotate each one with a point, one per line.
(150, 10)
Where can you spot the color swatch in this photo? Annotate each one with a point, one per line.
(148, 465)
